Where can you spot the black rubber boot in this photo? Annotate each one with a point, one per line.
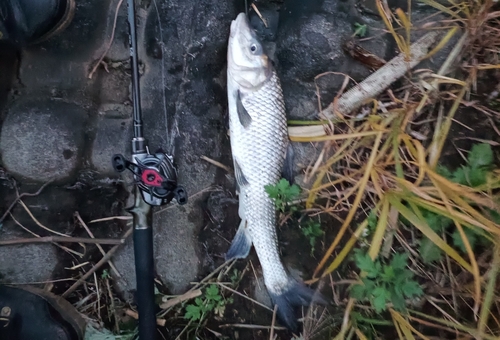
(33, 314)
(26, 22)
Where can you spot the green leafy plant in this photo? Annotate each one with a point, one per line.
(385, 283)
(477, 169)
(473, 174)
(94, 333)
(235, 277)
(105, 274)
(312, 230)
(211, 301)
(368, 324)
(282, 193)
(360, 29)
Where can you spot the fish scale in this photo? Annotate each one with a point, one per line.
(262, 155)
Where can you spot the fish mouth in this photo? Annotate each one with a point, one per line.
(239, 24)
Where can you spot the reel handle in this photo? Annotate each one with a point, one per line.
(120, 164)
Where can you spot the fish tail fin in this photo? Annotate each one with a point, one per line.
(297, 294)
(242, 242)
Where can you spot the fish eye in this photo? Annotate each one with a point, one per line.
(254, 48)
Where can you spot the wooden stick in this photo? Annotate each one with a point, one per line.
(113, 268)
(50, 239)
(218, 164)
(271, 335)
(21, 196)
(105, 259)
(242, 325)
(381, 79)
(109, 43)
(186, 296)
(135, 315)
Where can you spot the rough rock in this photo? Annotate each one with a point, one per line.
(26, 263)
(309, 43)
(175, 249)
(62, 63)
(113, 136)
(42, 139)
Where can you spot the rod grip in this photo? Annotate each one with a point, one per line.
(144, 270)
(144, 267)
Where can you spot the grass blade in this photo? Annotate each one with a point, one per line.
(355, 204)
(420, 224)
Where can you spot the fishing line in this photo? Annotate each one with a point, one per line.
(162, 45)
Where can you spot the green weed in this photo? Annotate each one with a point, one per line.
(312, 230)
(93, 333)
(282, 193)
(211, 301)
(360, 30)
(385, 283)
(473, 174)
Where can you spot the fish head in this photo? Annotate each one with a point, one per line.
(248, 65)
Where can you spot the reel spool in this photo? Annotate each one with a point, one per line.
(156, 177)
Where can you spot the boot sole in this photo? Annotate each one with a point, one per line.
(66, 19)
(60, 319)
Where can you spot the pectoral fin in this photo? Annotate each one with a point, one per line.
(243, 115)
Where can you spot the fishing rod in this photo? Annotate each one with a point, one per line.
(155, 179)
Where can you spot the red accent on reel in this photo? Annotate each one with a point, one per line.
(151, 177)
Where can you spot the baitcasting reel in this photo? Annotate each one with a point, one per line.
(156, 177)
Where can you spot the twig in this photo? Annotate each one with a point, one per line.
(21, 196)
(113, 308)
(381, 79)
(260, 15)
(242, 325)
(271, 335)
(135, 315)
(212, 274)
(105, 259)
(38, 236)
(243, 295)
(186, 296)
(98, 293)
(126, 218)
(38, 222)
(112, 266)
(109, 43)
(37, 282)
(214, 162)
(51, 239)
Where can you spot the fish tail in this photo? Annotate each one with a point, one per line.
(297, 294)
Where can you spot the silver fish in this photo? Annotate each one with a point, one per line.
(259, 145)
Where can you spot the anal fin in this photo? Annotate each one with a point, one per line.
(239, 176)
(242, 242)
